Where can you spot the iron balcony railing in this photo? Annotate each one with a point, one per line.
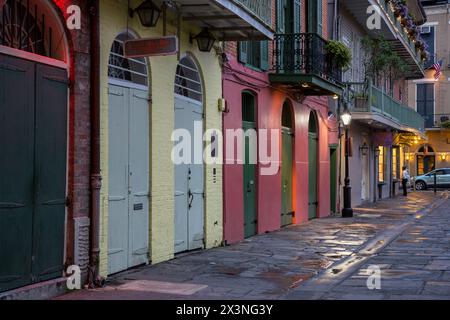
(259, 8)
(304, 54)
(369, 98)
(436, 120)
(402, 32)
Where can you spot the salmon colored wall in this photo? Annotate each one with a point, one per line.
(270, 101)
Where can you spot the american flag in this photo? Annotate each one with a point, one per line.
(438, 67)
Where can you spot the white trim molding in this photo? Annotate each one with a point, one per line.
(33, 57)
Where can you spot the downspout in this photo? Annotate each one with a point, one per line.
(95, 175)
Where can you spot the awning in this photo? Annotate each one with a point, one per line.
(230, 20)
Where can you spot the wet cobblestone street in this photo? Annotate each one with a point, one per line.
(408, 238)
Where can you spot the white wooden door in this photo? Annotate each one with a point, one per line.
(129, 144)
(189, 181)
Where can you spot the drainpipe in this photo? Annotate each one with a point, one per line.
(95, 176)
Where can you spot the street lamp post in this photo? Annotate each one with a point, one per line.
(347, 211)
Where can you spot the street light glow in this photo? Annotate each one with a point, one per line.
(346, 118)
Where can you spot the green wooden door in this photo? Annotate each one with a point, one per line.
(312, 176)
(250, 219)
(50, 173)
(16, 165)
(286, 178)
(33, 106)
(333, 178)
(249, 166)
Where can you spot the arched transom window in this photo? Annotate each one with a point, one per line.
(426, 149)
(133, 70)
(32, 26)
(188, 81)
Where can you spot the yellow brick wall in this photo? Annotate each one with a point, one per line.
(113, 21)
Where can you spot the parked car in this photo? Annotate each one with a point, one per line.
(427, 180)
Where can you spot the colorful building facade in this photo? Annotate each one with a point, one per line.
(151, 208)
(266, 90)
(383, 124)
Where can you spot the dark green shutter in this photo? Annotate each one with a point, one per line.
(16, 171)
(315, 23)
(264, 55)
(319, 17)
(297, 17)
(50, 172)
(243, 51)
(33, 128)
(281, 16)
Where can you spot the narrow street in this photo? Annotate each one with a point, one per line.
(408, 238)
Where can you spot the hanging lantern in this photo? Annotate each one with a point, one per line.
(148, 12)
(205, 40)
(346, 118)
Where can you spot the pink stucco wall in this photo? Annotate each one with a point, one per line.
(269, 107)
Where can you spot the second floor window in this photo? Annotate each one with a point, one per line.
(254, 54)
(428, 35)
(425, 103)
(315, 21)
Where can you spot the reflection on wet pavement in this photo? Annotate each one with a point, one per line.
(299, 260)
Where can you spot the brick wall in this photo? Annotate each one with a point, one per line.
(77, 232)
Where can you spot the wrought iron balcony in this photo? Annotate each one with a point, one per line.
(302, 62)
(373, 105)
(260, 8)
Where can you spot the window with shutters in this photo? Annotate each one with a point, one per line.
(254, 54)
(428, 35)
(315, 21)
(425, 103)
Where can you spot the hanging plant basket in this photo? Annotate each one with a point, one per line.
(339, 53)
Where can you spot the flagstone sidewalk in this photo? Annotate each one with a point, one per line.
(409, 238)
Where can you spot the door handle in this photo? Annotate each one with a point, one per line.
(249, 186)
(191, 198)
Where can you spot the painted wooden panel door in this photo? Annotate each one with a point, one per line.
(139, 178)
(249, 166)
(50, 172)
(286, 178)
(249, 187)
(333, 179)
(312, 176)
(16, 165)
(128, 178)
(33, 119)
(189, 179)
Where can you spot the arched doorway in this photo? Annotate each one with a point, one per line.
(313, 139)
(129, 160)
(189, 177)
(287, 167)
(33, 143)
(426, 159)
(250, 163)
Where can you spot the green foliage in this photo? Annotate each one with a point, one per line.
(381, 61)
(341, 54)
(446, 124)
